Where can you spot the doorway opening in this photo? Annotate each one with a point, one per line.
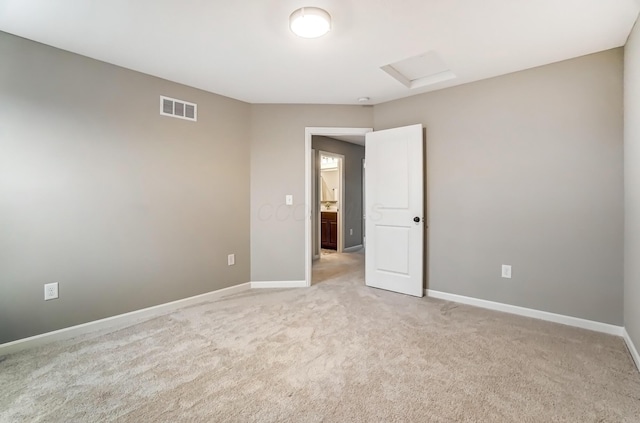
(333, 200)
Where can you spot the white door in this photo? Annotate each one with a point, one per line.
(394, 210)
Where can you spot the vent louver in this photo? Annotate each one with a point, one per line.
(178, 108)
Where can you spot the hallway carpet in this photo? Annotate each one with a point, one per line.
(335, 352)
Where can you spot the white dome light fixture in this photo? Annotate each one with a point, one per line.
(310, 22)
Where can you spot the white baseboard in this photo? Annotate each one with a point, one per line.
(352, 249)
(279, 284)
(114, 322)
(632, 348)
(529, 312)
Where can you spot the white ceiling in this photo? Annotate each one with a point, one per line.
(244, 49)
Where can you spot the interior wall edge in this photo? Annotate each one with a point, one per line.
(632, 348)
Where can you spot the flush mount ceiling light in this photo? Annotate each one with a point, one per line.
(310, 22)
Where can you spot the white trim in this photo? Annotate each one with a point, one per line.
(529, 312)
(364, 202)
(632, 348)
(309, 132)
(279, 284)
(341, 202)
(354, 248)
(118, 321)
(314, 207)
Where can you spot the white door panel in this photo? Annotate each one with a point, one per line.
(394, 260)
(394, 197)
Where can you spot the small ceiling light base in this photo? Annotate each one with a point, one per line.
(310, 22)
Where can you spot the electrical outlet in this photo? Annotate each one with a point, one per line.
(506, 271)
(350, 231)
(50, 291)
(231, 259)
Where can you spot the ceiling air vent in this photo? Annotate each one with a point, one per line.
(178, 108)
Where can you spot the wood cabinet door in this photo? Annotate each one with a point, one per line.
(333, 234)
(329, 230)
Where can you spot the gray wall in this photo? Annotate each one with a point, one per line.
(277, 169)
(632, 186)
(353, 156)
(526, 169)
(128, 209)
(124, 208)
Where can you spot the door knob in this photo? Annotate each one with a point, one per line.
(416, 219)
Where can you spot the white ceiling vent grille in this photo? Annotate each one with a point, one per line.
(178, 108)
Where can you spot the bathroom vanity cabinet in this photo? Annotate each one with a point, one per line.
(329, 230)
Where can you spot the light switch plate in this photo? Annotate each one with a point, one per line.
(288, 199)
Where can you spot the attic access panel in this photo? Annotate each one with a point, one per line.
(419, 71)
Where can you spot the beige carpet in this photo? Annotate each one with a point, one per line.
(332, 265)
(336, 352)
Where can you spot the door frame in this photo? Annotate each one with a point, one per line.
(341, 201)
(364, 207)
(309, 132)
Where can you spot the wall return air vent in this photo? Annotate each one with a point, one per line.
(178, 108)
